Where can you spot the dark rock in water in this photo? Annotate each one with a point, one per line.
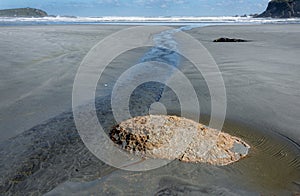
(225, 39)
(282, 9)
(23, 12)
(253, 15)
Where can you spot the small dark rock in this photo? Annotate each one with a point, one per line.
(225, 39)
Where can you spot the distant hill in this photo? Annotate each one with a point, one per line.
(23, 12)
(282, 9)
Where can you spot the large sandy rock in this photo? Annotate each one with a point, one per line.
(171, 137)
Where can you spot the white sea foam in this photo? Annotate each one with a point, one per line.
(118, 19)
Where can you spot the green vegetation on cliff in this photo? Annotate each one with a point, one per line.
(23, 12)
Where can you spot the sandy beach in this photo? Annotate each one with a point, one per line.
(261, 76)
(38, 67)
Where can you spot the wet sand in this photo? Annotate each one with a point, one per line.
(38, 67)
(262, 90)
(261, 76)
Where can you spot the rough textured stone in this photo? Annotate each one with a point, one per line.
(225, 39)
(171, 137)
(282, 9)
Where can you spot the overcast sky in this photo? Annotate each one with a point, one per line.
(142, 7)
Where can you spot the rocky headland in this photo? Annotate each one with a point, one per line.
(23, 12)
(282, 9)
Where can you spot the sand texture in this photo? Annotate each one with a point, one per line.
(42, 153)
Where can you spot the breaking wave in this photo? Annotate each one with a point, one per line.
(143, 20)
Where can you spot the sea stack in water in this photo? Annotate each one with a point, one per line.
(282, 9)
(172, 137)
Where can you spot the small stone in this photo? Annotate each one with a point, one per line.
(226, 39)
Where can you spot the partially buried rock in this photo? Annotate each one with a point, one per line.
(225, 39)
(172, 137)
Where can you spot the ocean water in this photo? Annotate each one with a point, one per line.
(6, 21)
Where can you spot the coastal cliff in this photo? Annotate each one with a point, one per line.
(23, 12)
(282, 9)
